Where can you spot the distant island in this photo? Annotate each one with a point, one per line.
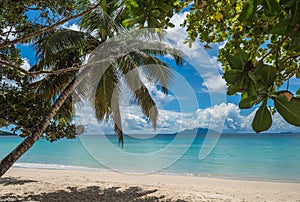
(2, 133)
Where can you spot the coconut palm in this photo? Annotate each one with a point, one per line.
(62, 49)
(66, 48)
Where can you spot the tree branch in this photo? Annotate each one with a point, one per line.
(46, 29)
(13, 66)
(69, 69)
(280, 44)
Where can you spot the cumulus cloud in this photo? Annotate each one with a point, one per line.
(214, 84)
(226, 116)
(208, 67)
(73, 26)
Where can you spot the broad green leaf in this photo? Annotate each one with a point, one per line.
(248, 102)
(242, 83)
(295, 18)
(251, 90)
(280, 28)
(235, 61)
(231, 76)
(233, 89)
(262, 120)
(298, 93)
(129, 22)
(271, 7)
(268, 74)
(289, 110)
(298, 74)
(132, 3)
(285, 93)
(247, 12)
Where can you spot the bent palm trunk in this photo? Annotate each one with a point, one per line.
(24, 146)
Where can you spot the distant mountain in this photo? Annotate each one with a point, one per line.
(198, 131)
(2, 133)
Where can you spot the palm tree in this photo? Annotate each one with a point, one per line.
(63, 48)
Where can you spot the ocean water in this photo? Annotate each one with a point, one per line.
(243, 156)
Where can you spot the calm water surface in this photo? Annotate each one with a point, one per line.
(248, 156)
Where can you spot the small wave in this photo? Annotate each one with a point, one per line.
(56, 167)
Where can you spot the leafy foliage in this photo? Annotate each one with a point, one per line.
(60, 49)
(261, 53)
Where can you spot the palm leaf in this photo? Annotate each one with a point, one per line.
(53, 48)
(142, 96)
(106, 100)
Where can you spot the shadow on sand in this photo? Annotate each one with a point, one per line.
(6, 181)
(91, 193)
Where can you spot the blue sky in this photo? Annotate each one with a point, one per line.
(197, 97)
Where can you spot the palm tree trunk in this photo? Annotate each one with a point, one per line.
(24, 146)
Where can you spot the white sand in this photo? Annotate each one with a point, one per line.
(72, 185)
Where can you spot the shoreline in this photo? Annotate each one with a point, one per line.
(92, 169)
(59, 185)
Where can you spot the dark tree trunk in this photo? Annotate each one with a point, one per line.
(12, 157)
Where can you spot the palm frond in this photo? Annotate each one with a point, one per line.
(52, 85)
(156, 70)
(106, 100)
(116, 115)
(142, 96)
(54, 47)
(99, 23)
(103, 99)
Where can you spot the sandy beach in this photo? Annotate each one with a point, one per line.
(22, 184)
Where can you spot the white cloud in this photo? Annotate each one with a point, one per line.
(224, 116)
(214, 84)
(26, 64)
(73, 26)
(9, 36)
(208, 67)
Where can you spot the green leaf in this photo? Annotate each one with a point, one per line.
(247, 12)
(298, 74)
(262, 120)
(289, 110)
(271, 7)
(269, 74)
(280, 28)
(129, 22)
(295, 18)
(233, 89)
(248, 102)
(237, 61)
(242, 83)
(231, 76)
(251, 90)
(298, 92)
(132, 3)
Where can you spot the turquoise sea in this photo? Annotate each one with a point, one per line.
(243, 156)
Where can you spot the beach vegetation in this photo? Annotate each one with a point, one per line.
(259, 51)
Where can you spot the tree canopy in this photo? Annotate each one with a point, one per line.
(261, 52)
(39, 24)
